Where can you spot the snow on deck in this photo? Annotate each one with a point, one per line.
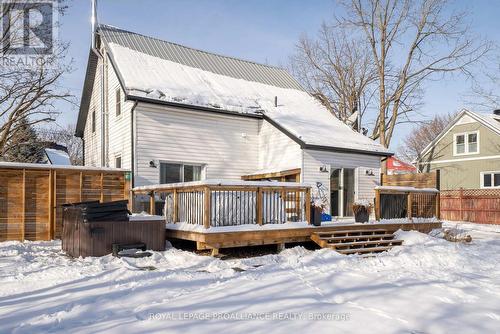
(426, 286)
(222, 182)
(183, 226)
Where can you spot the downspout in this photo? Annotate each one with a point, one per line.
(132, 147)
(83, 151)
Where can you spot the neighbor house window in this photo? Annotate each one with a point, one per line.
(118, 162)
(178, 172)
(93, 121)
(490, 179)
(118, 106)
(466, 143)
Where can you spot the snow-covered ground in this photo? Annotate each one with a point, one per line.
(427, 286)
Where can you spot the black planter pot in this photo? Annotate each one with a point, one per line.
(316, 215)
(362, 216)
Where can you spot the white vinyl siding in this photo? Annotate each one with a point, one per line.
(227, 146)
(92, 139)
(277, 151)
(118, 127)
(364, 183)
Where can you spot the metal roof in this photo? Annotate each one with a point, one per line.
(223, 65)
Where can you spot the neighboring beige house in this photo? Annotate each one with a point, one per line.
(467, 152)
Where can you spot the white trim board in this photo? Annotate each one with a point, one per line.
(459, 160)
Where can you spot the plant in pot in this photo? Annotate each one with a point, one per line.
(317, 207)
(362, 210)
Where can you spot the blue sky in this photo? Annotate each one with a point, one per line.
(258, 30)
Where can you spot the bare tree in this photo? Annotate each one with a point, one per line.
(486, 96)
(411, 42)
(415, 142)
(28, 92)
(336, 69)
(64, 136)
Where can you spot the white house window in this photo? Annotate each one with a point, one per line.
(466, 143)
(93, 121)
(118, 161)
(178, 172)
(118, 106)
(490, 179)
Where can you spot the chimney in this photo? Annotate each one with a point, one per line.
(93, 22)
(275, 101)
(496, 112)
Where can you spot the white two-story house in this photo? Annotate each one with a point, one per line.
(170, 113)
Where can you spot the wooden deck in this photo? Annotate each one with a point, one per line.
(216, 240)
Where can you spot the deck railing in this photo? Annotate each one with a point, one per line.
(228, 203)
(401, 202)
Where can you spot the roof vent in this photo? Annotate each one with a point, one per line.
(496, 112)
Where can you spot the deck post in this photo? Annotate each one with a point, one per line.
(206, 208)
(175, 202)
(409, 205)
(438, 205)
(308, 205)
(23, 190)
(81, 186)
(51, 204)
(259, 206)
(152, 210)
(377, 204)
(102, 187)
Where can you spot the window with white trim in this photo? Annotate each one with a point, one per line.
(466, 143)
(118, 101)
(490, 179)
(179, 172)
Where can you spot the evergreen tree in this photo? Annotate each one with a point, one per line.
(23, 145)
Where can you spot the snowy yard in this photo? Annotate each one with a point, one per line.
(427, 286)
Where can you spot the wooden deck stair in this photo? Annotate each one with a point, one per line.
(362, 241)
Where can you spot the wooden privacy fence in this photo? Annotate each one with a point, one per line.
(474, 205)
(415, 180)
(406, 202)
(31, 196)
(209, 203)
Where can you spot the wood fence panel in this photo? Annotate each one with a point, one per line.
(11, 212)
(474, 205)
(419, 180)
(37, 222)
(31, 196)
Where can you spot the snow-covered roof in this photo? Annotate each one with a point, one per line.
(57, 157)
(161, 71)
(20, 165)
